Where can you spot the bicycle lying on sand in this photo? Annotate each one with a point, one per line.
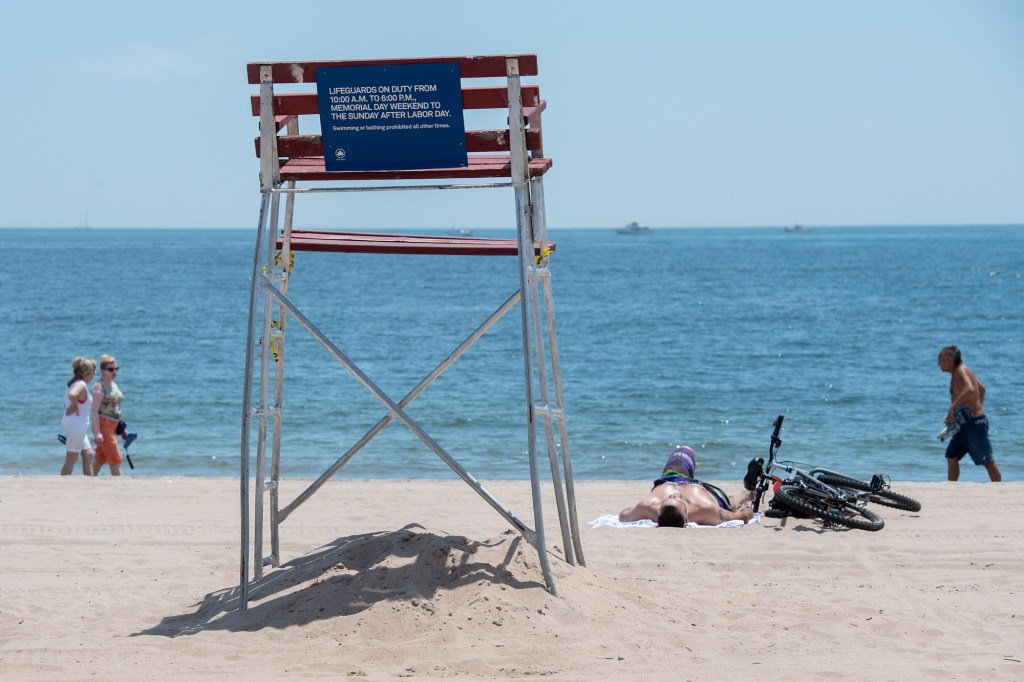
(834, 498)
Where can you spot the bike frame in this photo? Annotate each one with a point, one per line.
(804, 480)
(878, 481)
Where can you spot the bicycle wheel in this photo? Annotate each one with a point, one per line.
(886, 498)
(829, 511)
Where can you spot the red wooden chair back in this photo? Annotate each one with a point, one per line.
(300, 157)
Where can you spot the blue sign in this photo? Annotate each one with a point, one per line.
(395, 117)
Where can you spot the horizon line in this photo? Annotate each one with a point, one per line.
(561, 227)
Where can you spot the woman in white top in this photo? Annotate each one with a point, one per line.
(76, 420)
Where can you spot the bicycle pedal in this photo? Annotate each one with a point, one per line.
(776, 513)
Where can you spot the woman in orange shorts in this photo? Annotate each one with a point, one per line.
(106, 405)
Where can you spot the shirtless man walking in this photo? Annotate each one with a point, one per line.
(966, 396)
(677, 497)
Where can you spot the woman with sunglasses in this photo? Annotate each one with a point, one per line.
(106, 407)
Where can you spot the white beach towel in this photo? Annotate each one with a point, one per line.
(613, 521)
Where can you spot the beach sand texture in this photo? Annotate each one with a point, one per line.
(137, 579)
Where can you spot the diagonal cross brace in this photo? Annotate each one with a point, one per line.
(403, 403)
(393, 408)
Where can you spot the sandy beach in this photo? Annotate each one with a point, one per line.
(137, 578)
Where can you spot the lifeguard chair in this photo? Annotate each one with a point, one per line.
(509, 155)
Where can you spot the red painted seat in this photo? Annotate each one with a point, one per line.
(424, 245)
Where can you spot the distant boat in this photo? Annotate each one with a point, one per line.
(635, 228)
(460, 232)
(796, 228)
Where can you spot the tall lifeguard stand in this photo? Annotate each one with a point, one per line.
(510, 156)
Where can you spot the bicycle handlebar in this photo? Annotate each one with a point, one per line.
(763, 480)
(776, 441)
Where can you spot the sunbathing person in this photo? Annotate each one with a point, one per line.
(678, 497)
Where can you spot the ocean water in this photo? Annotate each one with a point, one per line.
(697, 336)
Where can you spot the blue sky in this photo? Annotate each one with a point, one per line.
(675, 114)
